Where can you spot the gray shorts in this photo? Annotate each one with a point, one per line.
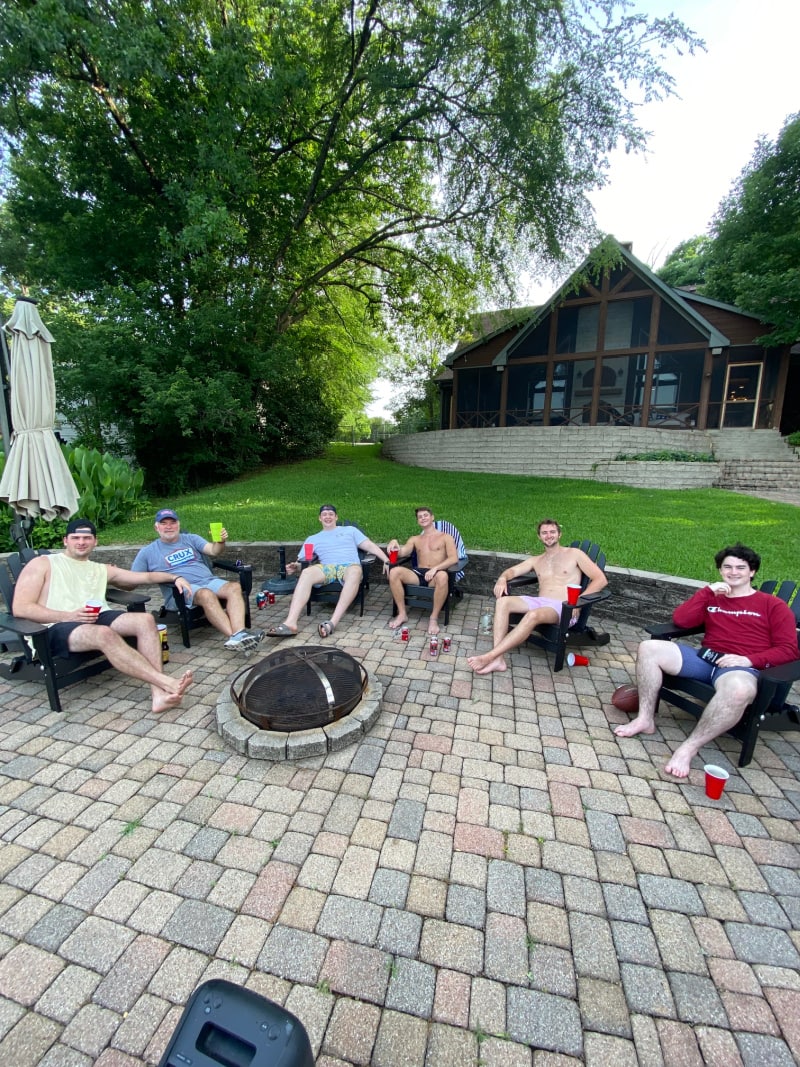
(214, 584)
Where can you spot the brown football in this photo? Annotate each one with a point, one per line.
(626, 697)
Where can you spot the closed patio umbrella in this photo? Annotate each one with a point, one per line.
(36, 480)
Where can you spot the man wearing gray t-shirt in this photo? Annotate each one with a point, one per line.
(182, 555)
(336, 549)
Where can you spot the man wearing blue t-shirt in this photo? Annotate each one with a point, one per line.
(336, 548)
(182, 555)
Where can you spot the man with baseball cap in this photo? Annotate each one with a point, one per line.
(181, 556)
(55, 590)
(336, 548)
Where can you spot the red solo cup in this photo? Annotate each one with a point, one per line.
(573, 592)
(716, 777)
(309, 550)
(574, 660)
(94, 606)
(393, 556)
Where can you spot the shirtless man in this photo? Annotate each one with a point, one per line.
(746, 629)
(436, 551)
(55, 589)
(556, 568)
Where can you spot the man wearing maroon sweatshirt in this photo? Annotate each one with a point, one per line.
(747, 630)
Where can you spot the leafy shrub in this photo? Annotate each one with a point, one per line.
(667, 456)
(109, 490)
(794, 439)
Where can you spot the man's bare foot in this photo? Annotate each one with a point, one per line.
(487, 663)
(186, 680)
(398, 621)
(433, 627)
(680, 763)
(166, 701)
(634, 727)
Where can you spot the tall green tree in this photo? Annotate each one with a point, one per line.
(688, 262)
(755, 256)
(233, 198)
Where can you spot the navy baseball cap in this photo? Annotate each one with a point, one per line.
(81, 526)
(328, 507)
(166, 513)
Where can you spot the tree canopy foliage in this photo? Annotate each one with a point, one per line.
(755, 261)
(751, 257)
(687, 263)
(230, 203)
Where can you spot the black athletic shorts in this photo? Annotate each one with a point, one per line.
(58, 634)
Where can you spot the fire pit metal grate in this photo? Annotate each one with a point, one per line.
(299, 688)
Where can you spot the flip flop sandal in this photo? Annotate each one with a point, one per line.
(281, 630)
(326, 629)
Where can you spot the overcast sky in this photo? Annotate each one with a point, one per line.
(743, 86)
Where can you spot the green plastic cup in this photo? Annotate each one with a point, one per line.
(216, 531)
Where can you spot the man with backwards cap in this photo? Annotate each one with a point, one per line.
(336, 548)
(181, 556)
(55, 589)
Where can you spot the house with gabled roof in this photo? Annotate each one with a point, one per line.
(620, 349)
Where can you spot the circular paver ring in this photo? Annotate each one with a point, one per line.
(246, 738)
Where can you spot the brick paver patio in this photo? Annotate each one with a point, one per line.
(491, 877)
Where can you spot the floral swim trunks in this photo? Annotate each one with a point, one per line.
(335, 572)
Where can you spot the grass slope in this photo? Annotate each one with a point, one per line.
(667, 531)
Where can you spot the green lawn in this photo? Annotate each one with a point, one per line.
(671, 532)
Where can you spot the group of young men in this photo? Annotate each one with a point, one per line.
(745, 629)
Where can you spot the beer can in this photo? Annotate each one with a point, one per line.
(445, 644)
(162, 636)
(434, 646)
(404, 634)
(262, 599)
(270, 597)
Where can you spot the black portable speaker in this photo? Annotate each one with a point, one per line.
(226, 1025)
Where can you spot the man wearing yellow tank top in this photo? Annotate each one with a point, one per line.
(55, 590)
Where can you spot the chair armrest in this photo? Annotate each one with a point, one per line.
(459, 565)
(23, 627)
(522, 580)
(786, 672)
(366, 559)
(126, 597)
(223, 564)
(585, 599)
(668, 631)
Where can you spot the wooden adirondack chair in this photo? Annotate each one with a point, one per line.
(38, 664)
(421, 596)
(560, 637)
(769, 710)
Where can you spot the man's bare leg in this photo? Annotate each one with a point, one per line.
(142, 662)
(399, 578)
(505, 639)
(654, 659)
(733, 693)
(350, 586)
(309, 576)
(224, 610)
(441, 586)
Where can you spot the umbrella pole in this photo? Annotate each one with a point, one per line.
(5, 385)
(21, 527)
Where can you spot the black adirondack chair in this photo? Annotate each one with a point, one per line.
(38, 664)
(769, 710)
(560, 637)
(421, 596)
(189, 618)
(329, 594)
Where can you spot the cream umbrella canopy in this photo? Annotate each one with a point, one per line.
(36, 480)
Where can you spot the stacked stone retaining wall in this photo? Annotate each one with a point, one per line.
(639, 597)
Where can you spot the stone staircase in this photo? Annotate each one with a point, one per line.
(755, 460)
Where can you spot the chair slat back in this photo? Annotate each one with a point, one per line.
(595, 554)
